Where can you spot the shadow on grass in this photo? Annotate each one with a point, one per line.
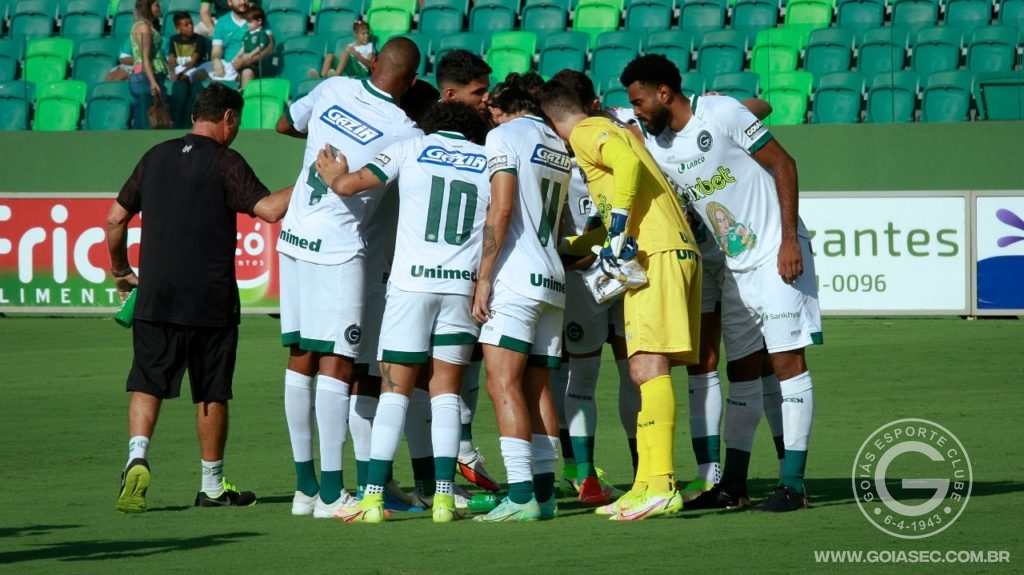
(32, 530)
(103, 550)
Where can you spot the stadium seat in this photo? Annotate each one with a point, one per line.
(788, 93)
(946, 96)
(739, 85)
(301, 54)
(265, 99)
(543, 17)
(596, 16)
(33, 18)
(94, 59)
(1011, 13)
(721, 52)
(357, 7)
(892, 97)
(425, 43)
(752, 16)
(614, 95)
(648, 15)
(305, 87)
(10, 58)
(511, 52)
(16, 99)
(775, 50)
(461, 5)
(693, 83)
(388, 21)
(287, 18)
(829, 50)
(936, 49)
(838, 98)
(676, 45)
(860, 15)
(489, 19)
(613, 51)
(700, 17)
(59, 106)
(121, 21)
(335, 19)
(992, 49)
(438, 20)
(968, 15)
(512, 4)
(109, 107)
(1000, 95)
(913, 15)
(84, 19)
(470, 41)
(881, 50)
(47, 60)
(173, 6)
(563, 50)
(811, 14)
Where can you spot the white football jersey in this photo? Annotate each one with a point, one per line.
(528, 263)
(359, 120)
(444, 193)
(710, 163)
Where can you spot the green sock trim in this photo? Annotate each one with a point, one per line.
(583, 451)
(305, 478)
(444, 468)
(793, 470)
(707, 449)
(362, 470)
(734, 475)
(520, 492)
(378, 472)
(330, 486)
(467, 432)
(544, 486)
(780, 446)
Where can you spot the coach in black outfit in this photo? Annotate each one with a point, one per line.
(187, 308)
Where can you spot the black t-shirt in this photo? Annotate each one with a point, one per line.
(189, 190)
(183, 47)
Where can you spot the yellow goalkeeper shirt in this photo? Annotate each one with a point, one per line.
(620, 173)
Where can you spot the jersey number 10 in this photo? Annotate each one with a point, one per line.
(462, 197)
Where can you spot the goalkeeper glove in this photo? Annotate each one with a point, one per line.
(619, 245)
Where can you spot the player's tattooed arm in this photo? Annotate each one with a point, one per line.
(490, 244)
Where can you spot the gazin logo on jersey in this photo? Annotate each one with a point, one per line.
(466, 162)
(350, 125)
(551, 158)
(704, 140)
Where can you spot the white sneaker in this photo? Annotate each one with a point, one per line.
(327, 510)
(303, 504)
(462, 496)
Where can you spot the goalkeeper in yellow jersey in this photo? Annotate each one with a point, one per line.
(644, 221)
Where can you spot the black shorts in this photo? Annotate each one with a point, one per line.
(163, 351)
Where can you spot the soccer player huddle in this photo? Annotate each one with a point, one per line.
(413, 248)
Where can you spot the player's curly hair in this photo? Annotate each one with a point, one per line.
(580, 83)
(652, 70)
(460, 67)
(454, 116)
(418, 99)
(517, 93)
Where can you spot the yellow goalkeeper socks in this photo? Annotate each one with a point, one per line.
(658, 403)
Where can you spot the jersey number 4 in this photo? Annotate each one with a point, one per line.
(461, 197)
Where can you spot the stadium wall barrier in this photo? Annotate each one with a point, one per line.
(922, 219)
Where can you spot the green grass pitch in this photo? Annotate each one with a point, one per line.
(63, 437)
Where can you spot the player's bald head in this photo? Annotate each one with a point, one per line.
(399, 58)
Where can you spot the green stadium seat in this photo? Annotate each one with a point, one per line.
(752, 16)
(936, 49)
(121, 21)
(409, 6)
(775, 50)
(265, 99)
(739, 85)
(544, 17)
(700, 17)
(1011, 13)
(425, 43)
(968, 15)
(305, 87)
(721, 52)
(838, 98)
(946, 96)
(47, 60)
(357, 7)
(1000, 95)
(288, 18)
(59, 106)
(676, 45)
(33, 18)
(829, 50)
(860, 15)
(10, 58)
(614, 95)
(810, 14)
(512, 4)
(693, 83)
(461, 5)
(16, 99)
(301, 54)
(596, 16)
(334, 20)
(268, 87)
(94, 58)
(892, 97)
(992, 49)
(84, 19)
(788, 93)
(491, 18)
(109, 107)
(388, 21)
(439, 20)
(563, 50)
(648, 15)
(511, 52)
(882, 50)
(613, 51)
(470, 41)
(914, 15)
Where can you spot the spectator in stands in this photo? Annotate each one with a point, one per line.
(228, 41)
(149, 67)
(257, 44)
(123, 69)
(186, 49)
(354, 61)
(209, 11)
